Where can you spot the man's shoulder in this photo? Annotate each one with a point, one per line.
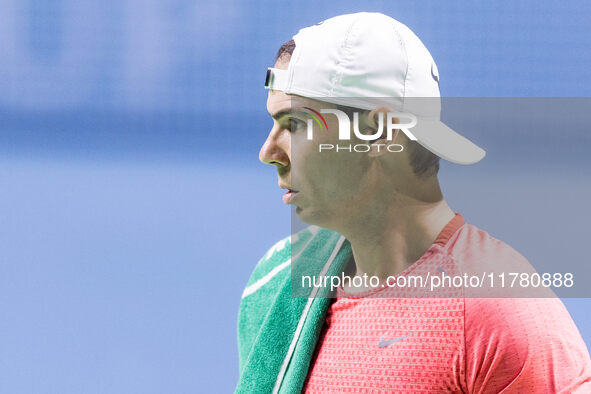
(518, 338)
(522, 343)
(476, 241)
(476, 248)
(498, 269)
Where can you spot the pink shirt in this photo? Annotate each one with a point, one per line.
(371, 343)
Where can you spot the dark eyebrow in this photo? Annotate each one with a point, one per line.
(288, 112)
(281, 114)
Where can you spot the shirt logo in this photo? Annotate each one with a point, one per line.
(387, 342)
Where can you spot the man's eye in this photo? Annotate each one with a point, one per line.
(295, 124)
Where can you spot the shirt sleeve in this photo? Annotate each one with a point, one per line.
(523, 345)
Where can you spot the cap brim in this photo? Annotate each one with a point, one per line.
(440, 139)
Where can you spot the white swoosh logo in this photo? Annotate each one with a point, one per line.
(385, 343)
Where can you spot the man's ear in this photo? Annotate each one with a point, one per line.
(382, 145)
(373, 117)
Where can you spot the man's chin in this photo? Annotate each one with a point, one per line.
(301, 213)
(310, 216)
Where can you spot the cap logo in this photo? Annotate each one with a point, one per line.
(435, 73)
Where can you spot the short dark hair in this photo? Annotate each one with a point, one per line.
(285, 51)
(423, 162)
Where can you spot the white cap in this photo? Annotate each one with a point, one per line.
(356, 59)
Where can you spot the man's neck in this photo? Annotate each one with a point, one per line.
(389, 244)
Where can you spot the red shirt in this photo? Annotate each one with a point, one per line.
(371, 343)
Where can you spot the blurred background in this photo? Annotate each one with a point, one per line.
(133, 205)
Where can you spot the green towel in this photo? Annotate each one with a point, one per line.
(279, 322)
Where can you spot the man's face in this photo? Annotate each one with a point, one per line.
(327, 187)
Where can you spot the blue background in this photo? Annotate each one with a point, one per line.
(133, 206)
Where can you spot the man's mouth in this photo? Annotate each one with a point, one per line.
(289, 194)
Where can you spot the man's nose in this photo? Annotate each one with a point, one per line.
(274, 150)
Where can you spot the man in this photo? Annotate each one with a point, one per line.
(377, 211)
